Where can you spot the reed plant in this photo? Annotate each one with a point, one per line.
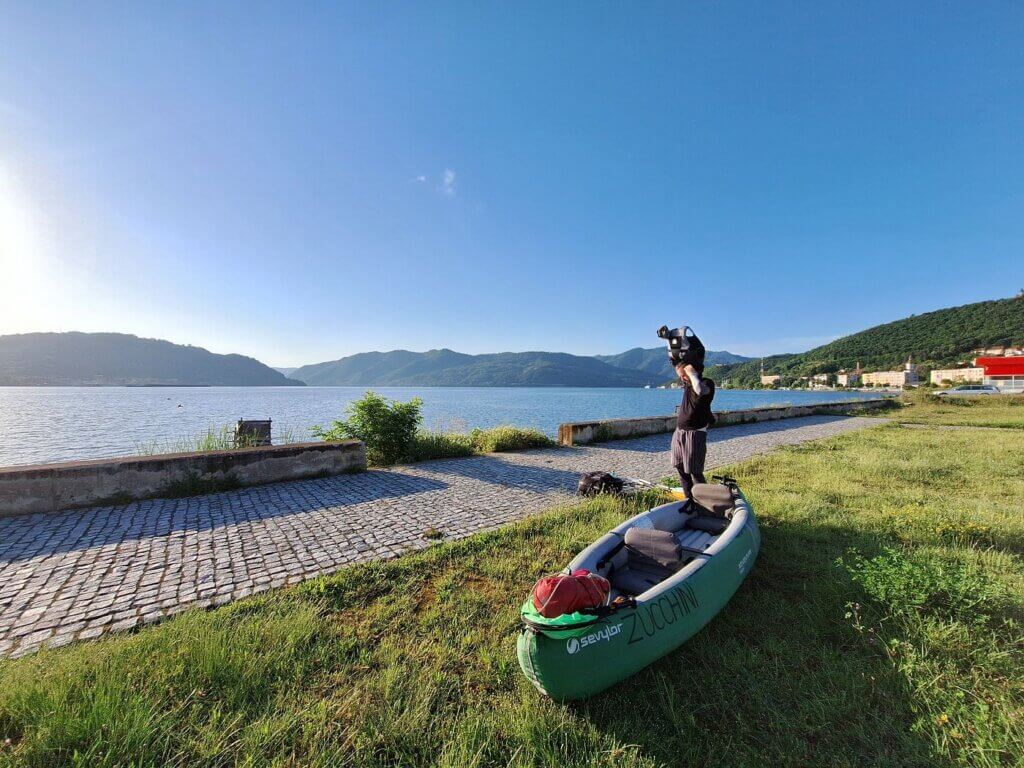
(213, 438)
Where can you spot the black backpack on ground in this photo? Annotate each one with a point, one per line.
(594, 483)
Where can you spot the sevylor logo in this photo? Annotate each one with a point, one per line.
(745, 561)
(575, 644)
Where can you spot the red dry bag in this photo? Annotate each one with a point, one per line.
(564, 593)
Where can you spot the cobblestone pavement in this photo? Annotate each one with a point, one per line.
(76, 575)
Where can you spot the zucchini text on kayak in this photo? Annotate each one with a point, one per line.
(644, 622)
(654, 616)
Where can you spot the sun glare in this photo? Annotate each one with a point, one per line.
(21, 252)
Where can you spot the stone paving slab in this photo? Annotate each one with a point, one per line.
(76, 575)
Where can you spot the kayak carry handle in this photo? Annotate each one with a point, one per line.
(726, 480)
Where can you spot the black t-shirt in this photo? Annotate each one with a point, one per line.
(695, 410)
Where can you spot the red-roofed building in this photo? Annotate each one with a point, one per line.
(1006, 373)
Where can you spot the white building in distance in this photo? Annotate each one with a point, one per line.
(902, 378)
(957, 376)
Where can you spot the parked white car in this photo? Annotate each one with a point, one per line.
(969, 390)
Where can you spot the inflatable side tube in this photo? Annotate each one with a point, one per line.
(580, 663)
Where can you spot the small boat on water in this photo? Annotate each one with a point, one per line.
(671, 571)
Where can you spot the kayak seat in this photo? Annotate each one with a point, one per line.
(652, 550)
(716, 498)
(651, 557)
(636, 581)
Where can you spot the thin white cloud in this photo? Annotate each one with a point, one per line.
(448, 182)
(420, 179)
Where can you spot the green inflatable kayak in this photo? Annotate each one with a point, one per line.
(673, 570)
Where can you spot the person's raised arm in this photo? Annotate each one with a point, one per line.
(687, 373)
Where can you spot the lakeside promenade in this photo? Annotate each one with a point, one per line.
(77, 575)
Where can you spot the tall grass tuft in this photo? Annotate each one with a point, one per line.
(449, 445)
(508, 438)
(213, 439)
(440, 445)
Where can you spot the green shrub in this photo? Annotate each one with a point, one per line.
(387, 427)
(440, 445)
(508, 438)
(390, 430)
(905, 584)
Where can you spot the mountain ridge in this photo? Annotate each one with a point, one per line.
(119, 359)
(445, 368)
(654, 360)
(938, 338)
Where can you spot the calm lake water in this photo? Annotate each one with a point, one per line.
(46, 424)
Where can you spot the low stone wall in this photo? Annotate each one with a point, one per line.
(53, 487)
(585, 432)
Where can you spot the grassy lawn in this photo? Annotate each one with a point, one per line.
(881, 626)
(985, 411)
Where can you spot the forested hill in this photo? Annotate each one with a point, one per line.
(934, 339)
(111, 359)
(445, 368)
(655, 361)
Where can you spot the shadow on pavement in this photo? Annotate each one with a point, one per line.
(498, 471)
(31, 536)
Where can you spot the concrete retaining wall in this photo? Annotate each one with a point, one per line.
(53, 487)
(584, 432)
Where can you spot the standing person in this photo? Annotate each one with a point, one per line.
(690, 440)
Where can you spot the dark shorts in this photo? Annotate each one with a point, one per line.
(689, 450)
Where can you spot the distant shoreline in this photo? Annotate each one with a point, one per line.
(47, 424)
(155, 386)
(431, 386)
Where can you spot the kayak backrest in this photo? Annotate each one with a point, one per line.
(667, 517)
(652, 549)
(716, 498)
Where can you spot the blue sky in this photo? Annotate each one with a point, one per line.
(299, 182)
